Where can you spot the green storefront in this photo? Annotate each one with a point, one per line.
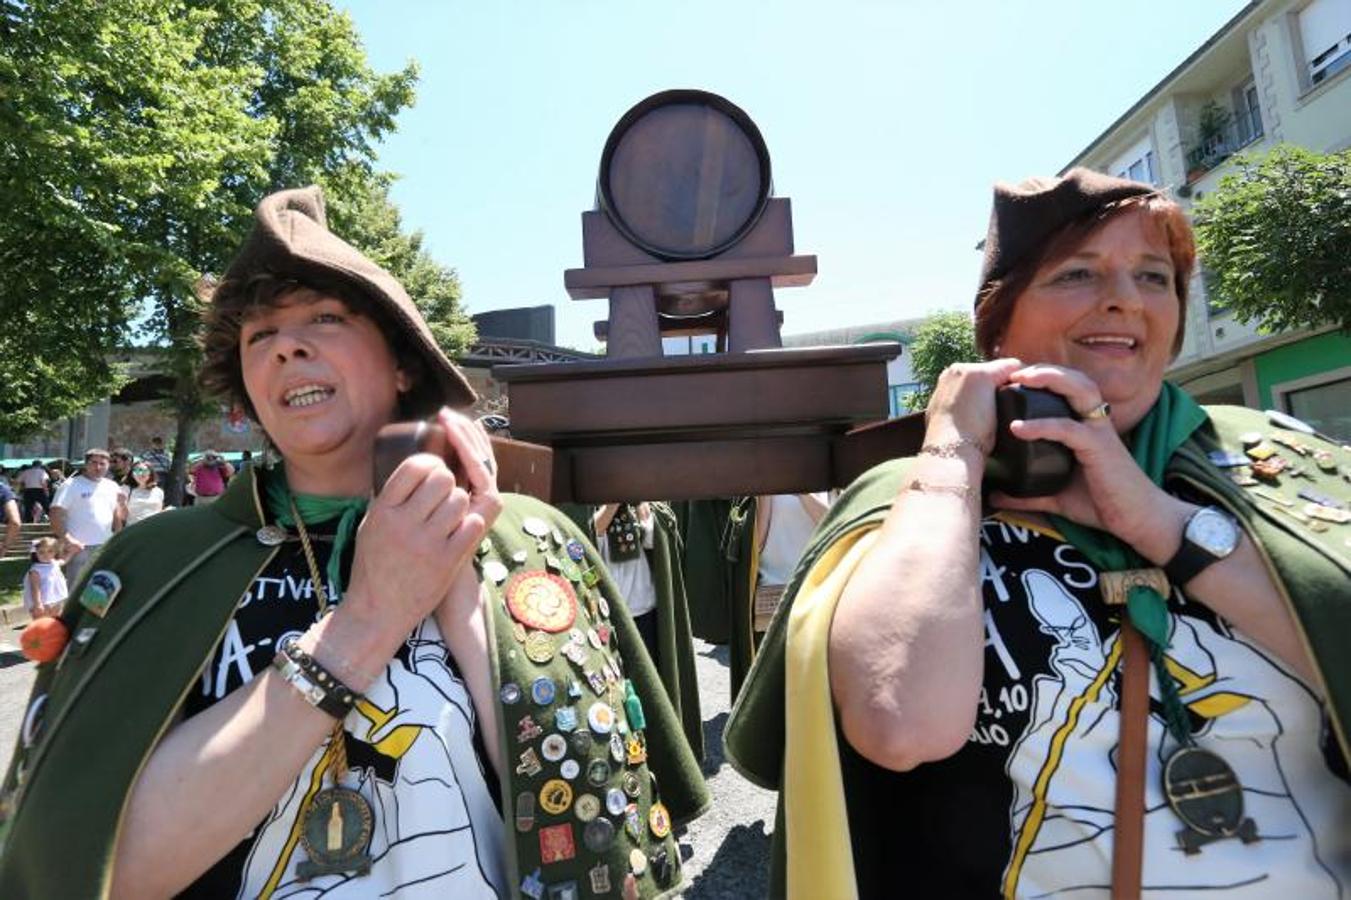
(1310, 379)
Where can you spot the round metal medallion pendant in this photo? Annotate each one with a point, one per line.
(336, 832)
(1204, 792)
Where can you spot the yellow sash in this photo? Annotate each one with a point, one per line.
(819, 851)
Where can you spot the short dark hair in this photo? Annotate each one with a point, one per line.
(994, 308)
(232, 303)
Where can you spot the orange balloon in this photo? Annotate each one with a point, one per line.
(44, 639)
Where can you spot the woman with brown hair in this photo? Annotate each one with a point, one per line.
(143, 497)
(957, 721)
(307, 687)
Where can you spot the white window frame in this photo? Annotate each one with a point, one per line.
(1141, 152)
(1280, 392)
(1324, 51)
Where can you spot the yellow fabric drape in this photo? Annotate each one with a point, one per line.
(819, 851)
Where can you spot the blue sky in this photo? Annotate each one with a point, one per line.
(887, 122)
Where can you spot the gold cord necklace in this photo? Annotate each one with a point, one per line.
(337, 822)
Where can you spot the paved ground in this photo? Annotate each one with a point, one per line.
(730, 842)
(16, 679)
(725, 852)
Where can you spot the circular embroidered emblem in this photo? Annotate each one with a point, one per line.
(659, 820)
(556, 796)
(542, 600)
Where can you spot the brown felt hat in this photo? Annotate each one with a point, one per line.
(290, 239)
(1026, 214)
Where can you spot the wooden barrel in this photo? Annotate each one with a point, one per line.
(684, 175)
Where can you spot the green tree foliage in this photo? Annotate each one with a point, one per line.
(135, 138)
(364, 215)
(942, 339)
(1276, 239)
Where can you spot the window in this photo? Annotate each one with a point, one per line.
(898, 394)
(1247, 114)
(1137, 164)
(1325, 31)
(1323, 401)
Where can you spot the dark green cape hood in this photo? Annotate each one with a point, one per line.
(183, 573)
(1314, 570)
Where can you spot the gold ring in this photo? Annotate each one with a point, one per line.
(1101, 411)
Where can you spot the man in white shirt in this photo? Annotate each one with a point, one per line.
(33, 482)
(84, 511)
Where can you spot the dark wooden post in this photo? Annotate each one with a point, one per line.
(634, 331)
(753, 322)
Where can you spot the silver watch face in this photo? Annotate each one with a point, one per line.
(1213, 531)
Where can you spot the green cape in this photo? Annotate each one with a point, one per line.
(182, 576)
(1313, 569)
(675, 647)
(704, 566)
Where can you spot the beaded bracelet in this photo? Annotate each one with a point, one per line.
(317, 685)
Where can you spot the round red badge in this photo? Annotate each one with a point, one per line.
(542, 600)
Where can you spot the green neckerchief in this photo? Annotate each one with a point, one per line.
(1167, 425)
(315, 510)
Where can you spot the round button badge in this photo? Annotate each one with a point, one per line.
(554, 747)
(598, 835)
(587, 807)
(600, 717)
(542, 691)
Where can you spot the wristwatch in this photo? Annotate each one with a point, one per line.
(1209, 536)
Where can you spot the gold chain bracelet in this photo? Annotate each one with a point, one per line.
(949, 449)
(959, 490)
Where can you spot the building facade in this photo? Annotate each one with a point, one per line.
(901, 380)
(1278, 72)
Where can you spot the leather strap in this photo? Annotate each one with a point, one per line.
(1128, 845)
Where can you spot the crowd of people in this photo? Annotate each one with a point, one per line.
(1136, 683)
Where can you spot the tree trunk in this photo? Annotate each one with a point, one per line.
(178, 470)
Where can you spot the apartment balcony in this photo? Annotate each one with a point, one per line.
(1239, 132)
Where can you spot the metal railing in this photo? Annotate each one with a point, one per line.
(1236, 134)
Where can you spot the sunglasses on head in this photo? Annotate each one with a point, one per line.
(141, 470)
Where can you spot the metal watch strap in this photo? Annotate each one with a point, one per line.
(317, 685)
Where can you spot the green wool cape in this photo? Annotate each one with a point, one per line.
(704, 566)
(183, 573)
(675, 647)
(1312, 569)
(742, 562)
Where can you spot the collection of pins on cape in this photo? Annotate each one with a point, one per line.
(598, 781)
(1199, 785)
(1269, 457)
